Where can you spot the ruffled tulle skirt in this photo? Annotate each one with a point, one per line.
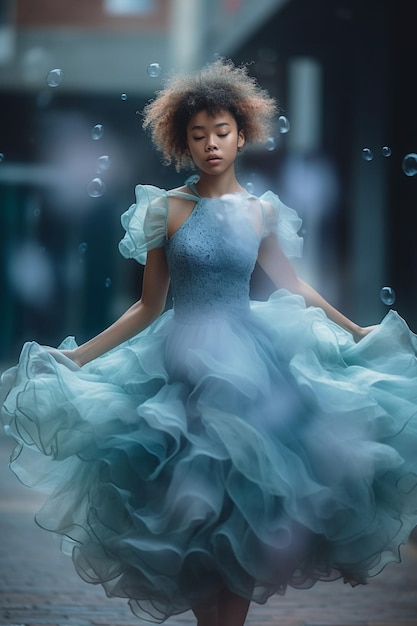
(253, 451)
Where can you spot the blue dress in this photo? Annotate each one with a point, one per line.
(247, 444)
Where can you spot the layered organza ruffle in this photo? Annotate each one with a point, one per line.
(145, 221)
(255, 452)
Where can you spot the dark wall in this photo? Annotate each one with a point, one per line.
(366, 51)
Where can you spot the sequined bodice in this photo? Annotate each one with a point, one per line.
(211, 258)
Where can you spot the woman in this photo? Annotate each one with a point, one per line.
(214, 454)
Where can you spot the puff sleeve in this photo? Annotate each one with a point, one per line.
(145, 223)
(284, 222)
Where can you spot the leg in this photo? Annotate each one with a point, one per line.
(232, 609)
(206, 613)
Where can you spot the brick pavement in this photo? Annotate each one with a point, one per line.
(38, 586)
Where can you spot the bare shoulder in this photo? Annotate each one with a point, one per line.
(269, 216)
(267, 208)
(177, 202)
(255, 212)
(179, 209)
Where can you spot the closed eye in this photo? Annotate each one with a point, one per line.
(219, 135)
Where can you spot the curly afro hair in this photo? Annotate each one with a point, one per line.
(219, 86)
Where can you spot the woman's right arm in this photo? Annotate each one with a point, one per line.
(136, 318)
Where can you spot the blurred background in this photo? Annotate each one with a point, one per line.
(74, 78)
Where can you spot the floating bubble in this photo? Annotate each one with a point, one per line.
(367, 154)
(35, 64)
(36, 213)
(154, 70)
(409, 164)
(1, 157)
(386, 151)
(123, 96)
(31, 275)
(55, 77)
(250, 187)
(387, 295)
(36, 277)
(103, 163)
(270, 144)
(283, 124)
(83, 247)
(97, 132)
(96, 188)
(107, 283)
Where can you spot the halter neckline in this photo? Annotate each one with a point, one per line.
(192, 185)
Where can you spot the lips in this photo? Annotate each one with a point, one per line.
(213, 158)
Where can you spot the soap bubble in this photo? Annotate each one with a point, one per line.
(35, 64)
(387, 295)
(154, 70)
(270, 144)
(386, 151)
(103, 163)
(96, 188)
(283, 124)
(123, 96)
(1, 157)
(250, 187)
(97, 132)
(367, 154)
(30, 272)
(409, 164)
(107, 283)
(54, 78)
(83, 247)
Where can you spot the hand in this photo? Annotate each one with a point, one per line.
(65, 357)
(71, 354)
(362, 331)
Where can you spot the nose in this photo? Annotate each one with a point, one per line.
(211, 144)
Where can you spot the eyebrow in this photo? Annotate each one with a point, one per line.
(201, 127)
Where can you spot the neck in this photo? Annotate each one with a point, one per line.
(216, 186)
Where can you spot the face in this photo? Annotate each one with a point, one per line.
(213, 141)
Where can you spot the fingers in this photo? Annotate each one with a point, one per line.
(61, 357)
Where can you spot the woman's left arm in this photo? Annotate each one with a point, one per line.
(279, 269)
